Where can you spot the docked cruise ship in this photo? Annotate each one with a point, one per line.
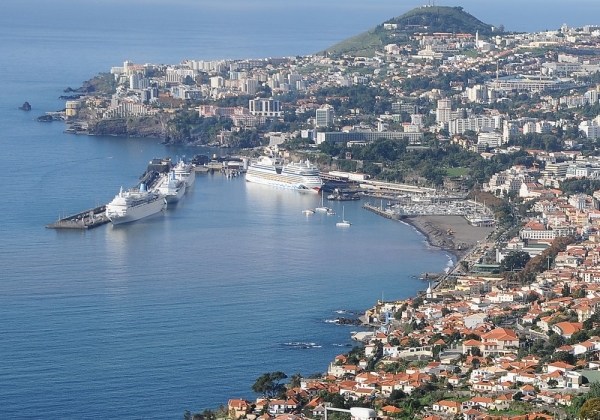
(298, 176)
(135, 204)
(186, 172)
(171, 187)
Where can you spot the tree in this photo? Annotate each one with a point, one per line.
(295, 380)
(590, 409)
(268, 384)
(566, 290)
(515, 260)
(556, 340)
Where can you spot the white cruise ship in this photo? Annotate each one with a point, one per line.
(171, 187)
(186, 172)
(128, 206)
(298, 176)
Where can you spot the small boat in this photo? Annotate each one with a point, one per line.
(308, 212)
(330, 213)
(323, 208)
(344, 222)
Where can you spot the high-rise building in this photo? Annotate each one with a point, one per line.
(216, 82)
(293, 78)
(134, 81)
(126, 67)
(324, 116)
(592, 96)
(444, 111)
(250, 86)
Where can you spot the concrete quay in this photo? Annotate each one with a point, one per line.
(87, 219)
(385, 213)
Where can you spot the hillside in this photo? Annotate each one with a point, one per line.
(423, 19)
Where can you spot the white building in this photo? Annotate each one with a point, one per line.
(265, 107)
(590, 129)
(475, 123)
(444, 110)
(250, 86)
(324, 116)
(491, 139)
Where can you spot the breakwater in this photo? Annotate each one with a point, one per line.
(385, 213)
(87, 219)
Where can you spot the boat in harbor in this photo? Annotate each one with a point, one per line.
(135, 204)
(344, 222)
(171, 187)
(302, 176)
(308, 212)
(186, 172)
(323, 208)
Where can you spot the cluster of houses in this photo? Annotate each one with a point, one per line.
(475, 334)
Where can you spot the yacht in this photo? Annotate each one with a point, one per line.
(323, 208)
(344, 222)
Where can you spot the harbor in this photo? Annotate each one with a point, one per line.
(97, 216)
(151, 180)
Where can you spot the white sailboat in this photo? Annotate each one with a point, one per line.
(323, 208)
(344, 222)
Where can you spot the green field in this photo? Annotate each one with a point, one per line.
(455, 172)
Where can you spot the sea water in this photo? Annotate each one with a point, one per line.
(185, 309)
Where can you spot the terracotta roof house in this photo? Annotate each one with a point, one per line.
(559, 366)
(446, 406)
(238, 408)
(567, 329)
(499, 341)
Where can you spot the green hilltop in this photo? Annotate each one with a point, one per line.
(425, 19)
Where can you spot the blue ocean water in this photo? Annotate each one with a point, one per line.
(183, 310)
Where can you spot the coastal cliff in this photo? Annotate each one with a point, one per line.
(147, 126)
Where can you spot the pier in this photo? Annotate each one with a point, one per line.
(87, 219)
(385, 213)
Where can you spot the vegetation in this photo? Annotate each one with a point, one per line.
(574, 185)
(269, 384)
(392, 160)
(422, 19)
(189, 126)
(442, 19)
(103, 83)
(515, 260)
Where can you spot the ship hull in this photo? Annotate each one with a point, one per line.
(276, 180)
(185, 172)
(190, 178)
(175, 197)
(122, 215)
